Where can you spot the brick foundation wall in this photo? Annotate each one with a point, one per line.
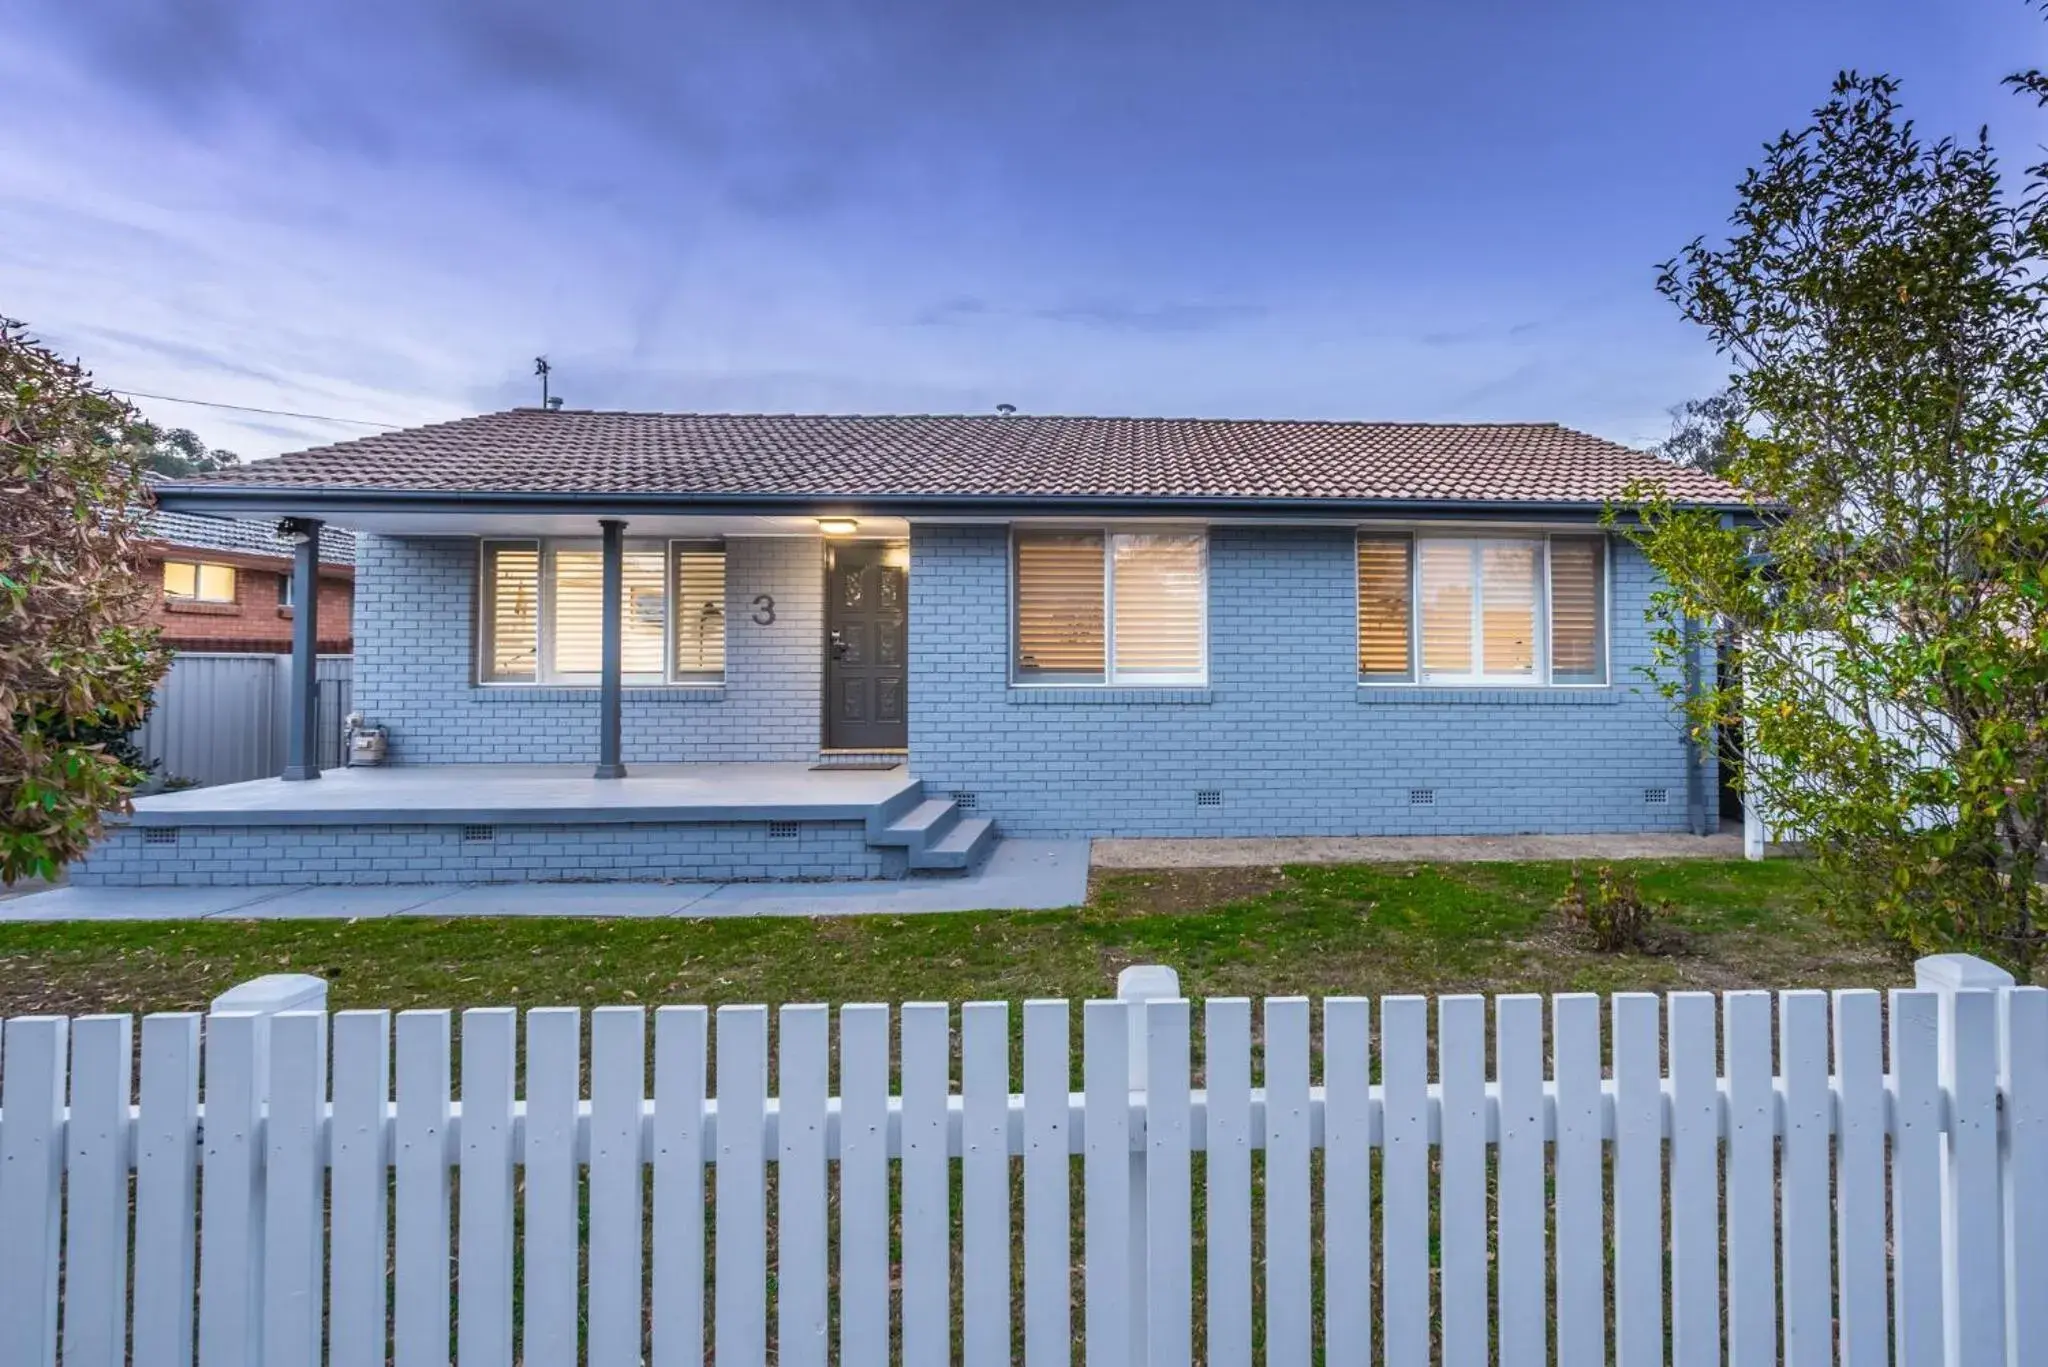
(1283, 732)
(416, 668)
(594, 853)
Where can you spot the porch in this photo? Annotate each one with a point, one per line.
(468, 823)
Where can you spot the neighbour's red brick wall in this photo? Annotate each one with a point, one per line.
(254, 621)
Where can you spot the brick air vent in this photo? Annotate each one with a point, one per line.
(160, 835)
(1208, 797)
(479, 835)
(784, 830)
(1422, 797)
(1656, 797)
(966, 802)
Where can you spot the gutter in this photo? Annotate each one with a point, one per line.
(338, 503)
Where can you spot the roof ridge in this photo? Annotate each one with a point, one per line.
(1019, 417)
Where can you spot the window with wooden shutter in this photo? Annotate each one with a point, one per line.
(1578, 609)
(542, 613)
(1385, 602)
(699, 596)
(1444, 570)
(1110, 607)
(511, 612)
(575, 614)
(1509, 585)
(1060, 585)
(1159, 591)
(1483, 610)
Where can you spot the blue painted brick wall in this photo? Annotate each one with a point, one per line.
(415, 668)
(221, 856)
(1283, 731)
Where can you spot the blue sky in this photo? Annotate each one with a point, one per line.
(1323, 208)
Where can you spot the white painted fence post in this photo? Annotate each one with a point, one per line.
(1139, 984)
(232, 1201)
(1972, 1189)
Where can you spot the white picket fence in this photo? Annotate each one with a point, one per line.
(1864, 1181)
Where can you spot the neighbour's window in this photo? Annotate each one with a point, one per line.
(199, 582)
(1104, 607)
(284, 590)
(1452, 610)
(542, 612)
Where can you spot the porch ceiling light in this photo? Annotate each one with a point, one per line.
(838, 526)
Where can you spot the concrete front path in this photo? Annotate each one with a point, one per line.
(1021, 875)
(1209, 853)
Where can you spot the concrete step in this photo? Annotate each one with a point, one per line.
(922, 826)
(960, 849)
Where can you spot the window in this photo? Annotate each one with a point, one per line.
(1103, 607)
(199, 582)
(284, 590)
(1489, 610)
(541, 613)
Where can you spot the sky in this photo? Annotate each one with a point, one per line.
(1431, 210)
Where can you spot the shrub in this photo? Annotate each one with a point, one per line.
(1611, 911)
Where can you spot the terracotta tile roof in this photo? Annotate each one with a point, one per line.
(259, 537)
(871, 457)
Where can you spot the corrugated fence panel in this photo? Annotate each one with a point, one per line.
(221, 718)
(312, 1122)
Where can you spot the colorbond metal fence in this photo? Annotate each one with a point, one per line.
(1754, 1177)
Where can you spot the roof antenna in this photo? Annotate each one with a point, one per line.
(541, 368)
(1006, 409)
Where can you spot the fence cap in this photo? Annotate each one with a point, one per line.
(275, 992)
(1958, 973)
(1147, 983)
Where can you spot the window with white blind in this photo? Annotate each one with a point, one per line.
(541, 613)
(1111, 607)
(1481, 610)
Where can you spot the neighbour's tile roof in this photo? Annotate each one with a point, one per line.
(779, 455)
(337, 544)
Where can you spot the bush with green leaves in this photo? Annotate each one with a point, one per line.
(1881, 299)
(78, 658)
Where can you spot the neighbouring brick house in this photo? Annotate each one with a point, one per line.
(1069, 626)
(225, 584)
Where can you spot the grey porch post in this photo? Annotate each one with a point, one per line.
(611, 661)
(302, 745)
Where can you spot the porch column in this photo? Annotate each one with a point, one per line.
(302, 721)
(610, 664)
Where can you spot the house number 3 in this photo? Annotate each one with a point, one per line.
(764, 610)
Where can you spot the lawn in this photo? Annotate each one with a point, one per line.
(1371, 929)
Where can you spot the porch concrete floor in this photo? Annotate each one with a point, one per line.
(1021, 875)
(547, 793)
(1226, 853)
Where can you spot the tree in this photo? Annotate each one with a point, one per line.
(1880, 299)
(78, 657)
(1701, 432)
(179, 451)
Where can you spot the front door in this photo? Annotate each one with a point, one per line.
(867, 645)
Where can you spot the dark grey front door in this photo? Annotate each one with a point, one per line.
(867, 645)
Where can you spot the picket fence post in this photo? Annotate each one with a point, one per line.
(1972, 1240)
(1137, 985)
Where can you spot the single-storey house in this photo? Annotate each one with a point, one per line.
(612, 645)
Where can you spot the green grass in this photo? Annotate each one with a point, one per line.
(1370, 929)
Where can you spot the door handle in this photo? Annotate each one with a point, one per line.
(838, 646)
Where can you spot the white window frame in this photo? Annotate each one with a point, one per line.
(547, 547)
(1111, 678)
(1477, 535)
